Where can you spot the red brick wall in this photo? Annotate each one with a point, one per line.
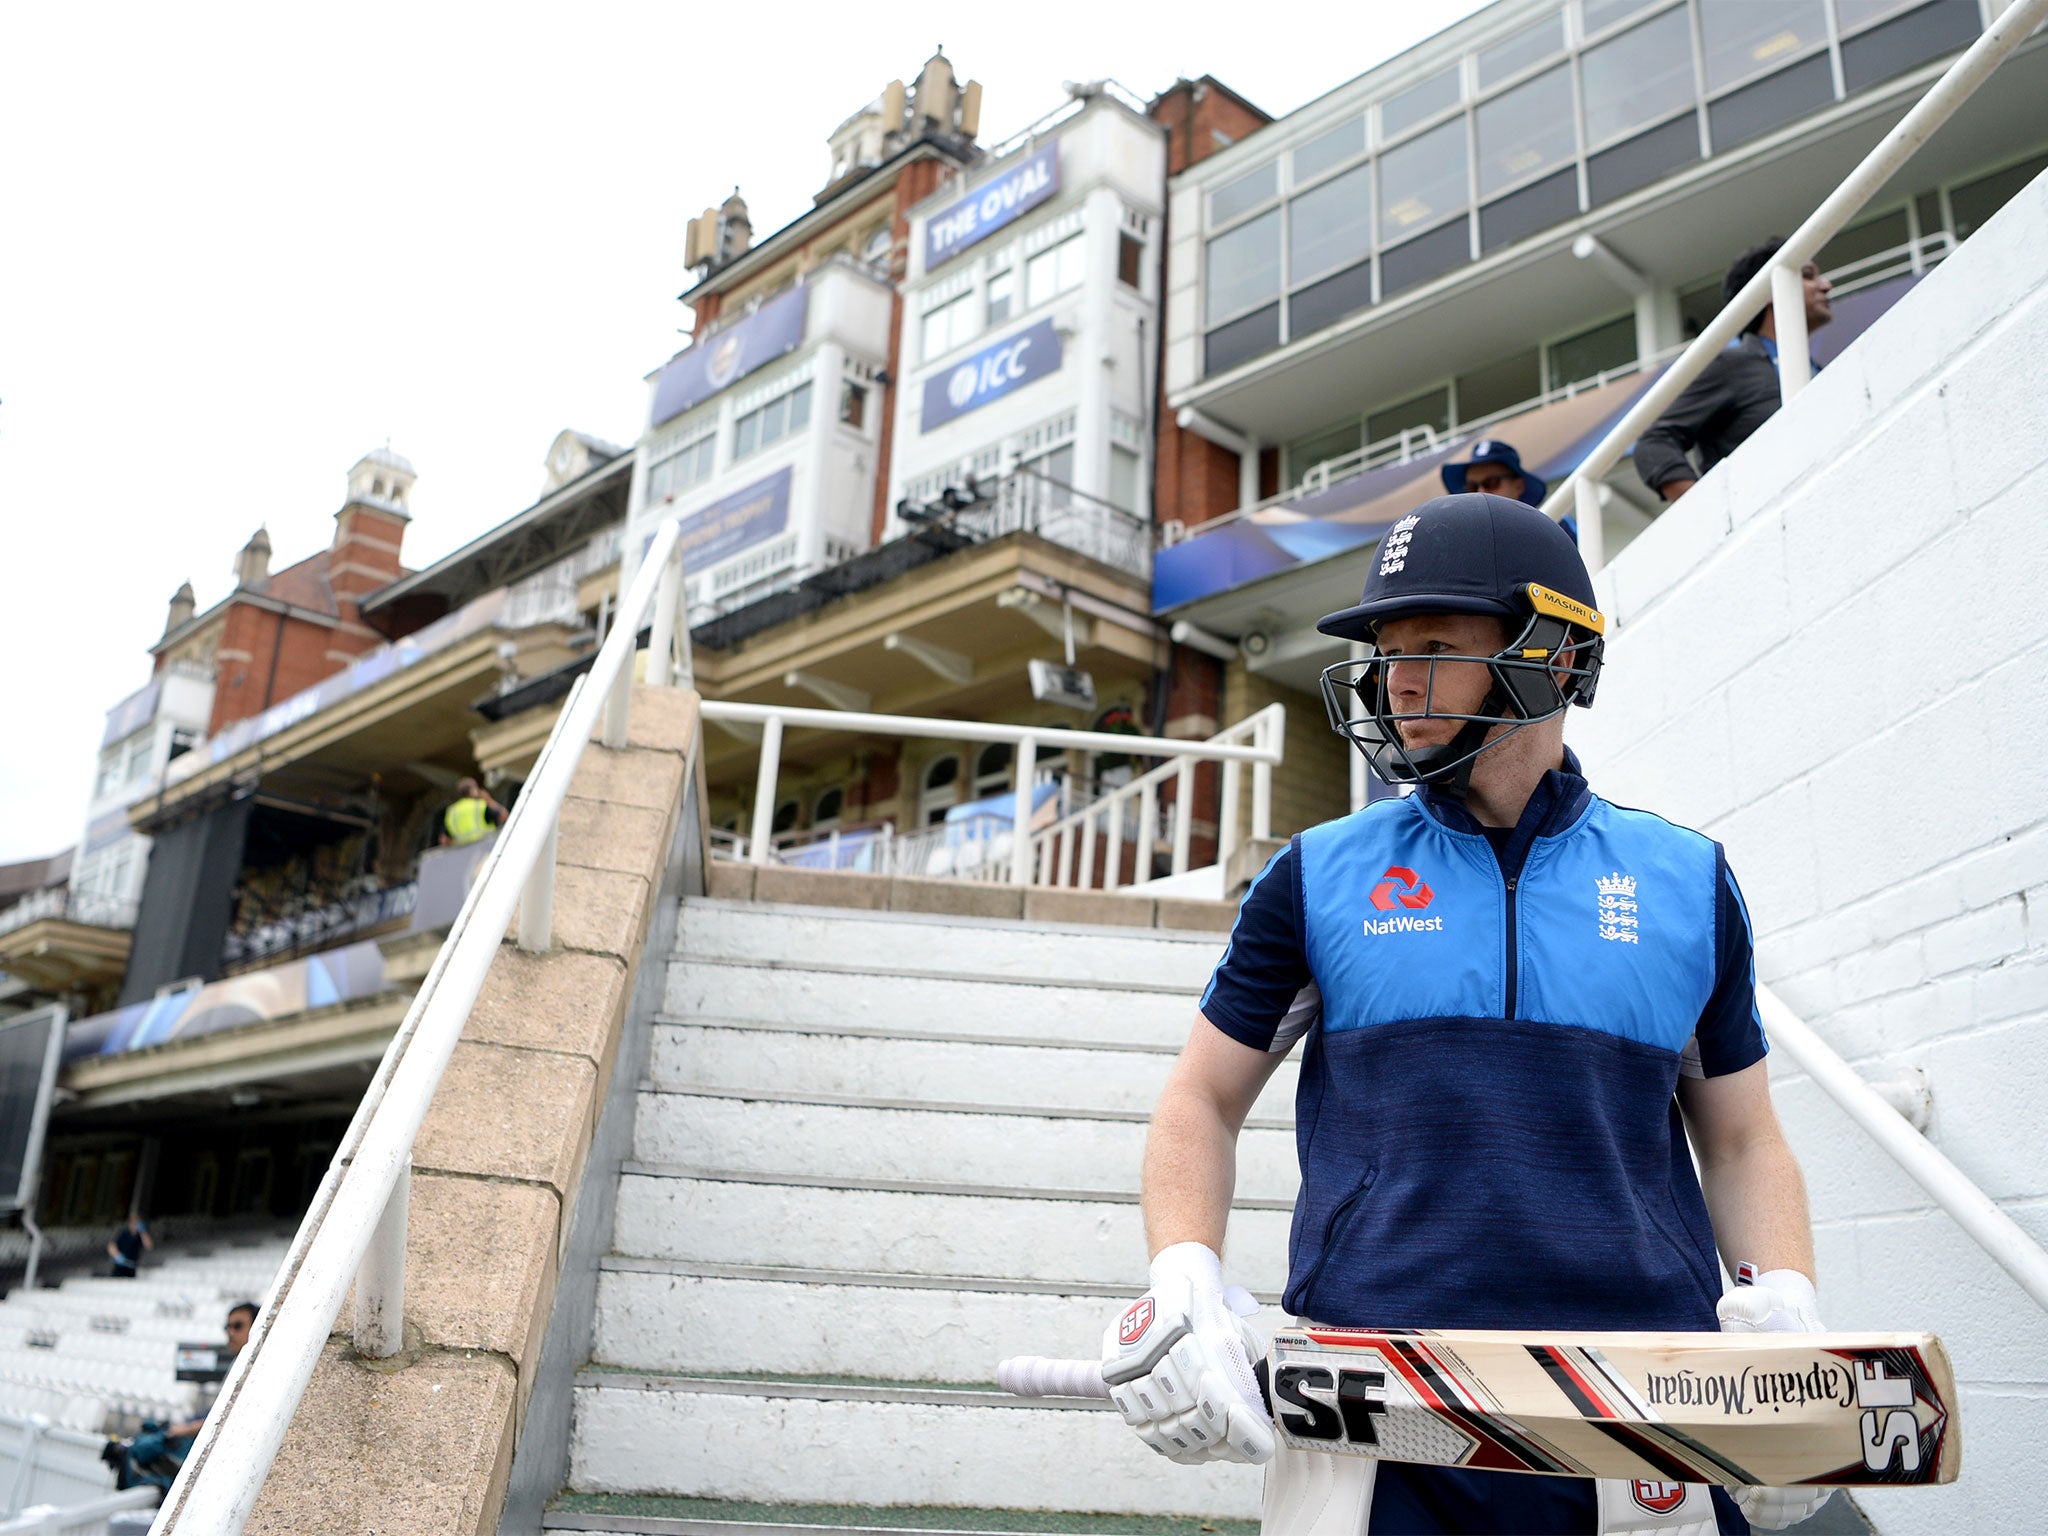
(266, 657)
(365, 553)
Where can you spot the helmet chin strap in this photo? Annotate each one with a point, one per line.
(1461, 752)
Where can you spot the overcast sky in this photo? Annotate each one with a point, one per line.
(241, 247)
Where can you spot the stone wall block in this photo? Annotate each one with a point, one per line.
(511, 1114)
(565, 1000)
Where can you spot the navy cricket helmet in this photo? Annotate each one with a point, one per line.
(1468, 554)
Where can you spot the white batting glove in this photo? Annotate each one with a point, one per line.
(1776, 1301)
(1178, 1362)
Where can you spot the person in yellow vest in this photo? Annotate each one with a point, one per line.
(473, 814)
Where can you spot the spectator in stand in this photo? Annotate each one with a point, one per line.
(1495, 468)
(128, 1247)
(473, 815)
(155, 1454)
(1734, 395)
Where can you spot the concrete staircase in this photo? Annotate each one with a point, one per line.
(874, 1153)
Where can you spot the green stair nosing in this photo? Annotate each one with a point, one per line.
(921, 1036)
(897, 973)
(911, 1186)
(810, 1097)
(674, 1382)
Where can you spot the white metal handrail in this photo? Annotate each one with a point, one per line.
(1262, 751)
(1975, 1212)
(1779, 284)
(354, 1231)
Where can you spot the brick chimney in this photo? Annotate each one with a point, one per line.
(370, 527)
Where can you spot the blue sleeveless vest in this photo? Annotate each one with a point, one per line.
(1486, 1123)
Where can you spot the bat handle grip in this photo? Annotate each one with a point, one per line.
(1036, 1376)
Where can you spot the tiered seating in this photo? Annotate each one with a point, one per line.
(95, 1351)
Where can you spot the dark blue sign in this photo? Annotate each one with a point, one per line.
(991, 373)
(736, 522)
(987, 208)
(701, 371)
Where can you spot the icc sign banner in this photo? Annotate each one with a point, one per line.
(987, 208)
(990, 374)
(702, 370)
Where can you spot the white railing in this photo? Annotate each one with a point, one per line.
(1063, 853)
(1779, 284)
(45, 1463)
(355, 1229)
(1029, 502)
(91, 1515)
(1259, 740)
(86, 907)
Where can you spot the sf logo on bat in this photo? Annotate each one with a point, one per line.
(1322, 1404)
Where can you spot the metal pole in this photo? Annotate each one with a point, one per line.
(1974, 1211)
(1592, 523)
(1226, 811)
(661, 650)
(1878, 167)
(1183, 814)
(764, 790)
(380, 1283)
(1025, 769)
(537, 900)
(1262, 781)
(1788, 321)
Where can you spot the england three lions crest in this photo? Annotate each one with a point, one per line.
(1618, 908)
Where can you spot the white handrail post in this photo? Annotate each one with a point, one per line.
(1148, 830)
(1183, 814)
(1788, 320)
(1592, 523)
(537, 900)
(380, 1281)
(615, 710)
(1026, 771)
(1226, 812)
(1113, 860)
(661, 649)
(1088, 848)
(1262, 783)
(764, 789)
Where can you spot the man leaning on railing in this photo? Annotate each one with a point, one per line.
(1735, 393)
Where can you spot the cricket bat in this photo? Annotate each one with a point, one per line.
(1769, 1410)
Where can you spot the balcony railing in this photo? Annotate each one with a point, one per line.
(291, 934)
(1025, 501)
(83, 907)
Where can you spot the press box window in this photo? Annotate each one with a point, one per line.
(1330, 226)
(1244, 266)
(1638, 77)
(681, 467)
(1002, 295)
(1130, 260)
(950, 325)
(774, 421)
(1422, 182)
(1054, 271)
(1744, 38)
(1244, 194)
(1525, 130)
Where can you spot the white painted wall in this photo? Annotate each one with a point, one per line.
(1833, 656)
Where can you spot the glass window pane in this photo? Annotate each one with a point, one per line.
(1873, 237)
(1400, 113)
(1422, 181)
(1976, 201)
(1748, 37)
(1330, 226)
(1526, 130)
(1247, 192)
(1328, 149)
(1511, 381)
(661, 480)
(1638, 77)
(1073, 257)
(1244, 266)
(749, 434)
(1123, 478)
(1432, 410)
(1039, 273)
(799, 407)
(1526, 47)
(772, 414)
(934, 332)
(1306, 453)
(1580, 357)
(1604, 13)
(1002, 293)
(1851, 14)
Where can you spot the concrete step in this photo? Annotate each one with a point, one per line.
(1022, 1073)
(741, 932)
(660, 1515)
(817, 995)
(658, 1315)
(797, 1442)
(771, 1132)
(1086, 1240)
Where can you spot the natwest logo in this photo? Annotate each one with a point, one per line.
(1414, 893)
(1402, 888)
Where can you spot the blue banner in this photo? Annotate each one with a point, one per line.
(991, 373)
(735, 522)
(132, 713)
(698, 372)
(987, 208)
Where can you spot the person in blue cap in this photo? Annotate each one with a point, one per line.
(1495, 469)
(1515, 1001)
